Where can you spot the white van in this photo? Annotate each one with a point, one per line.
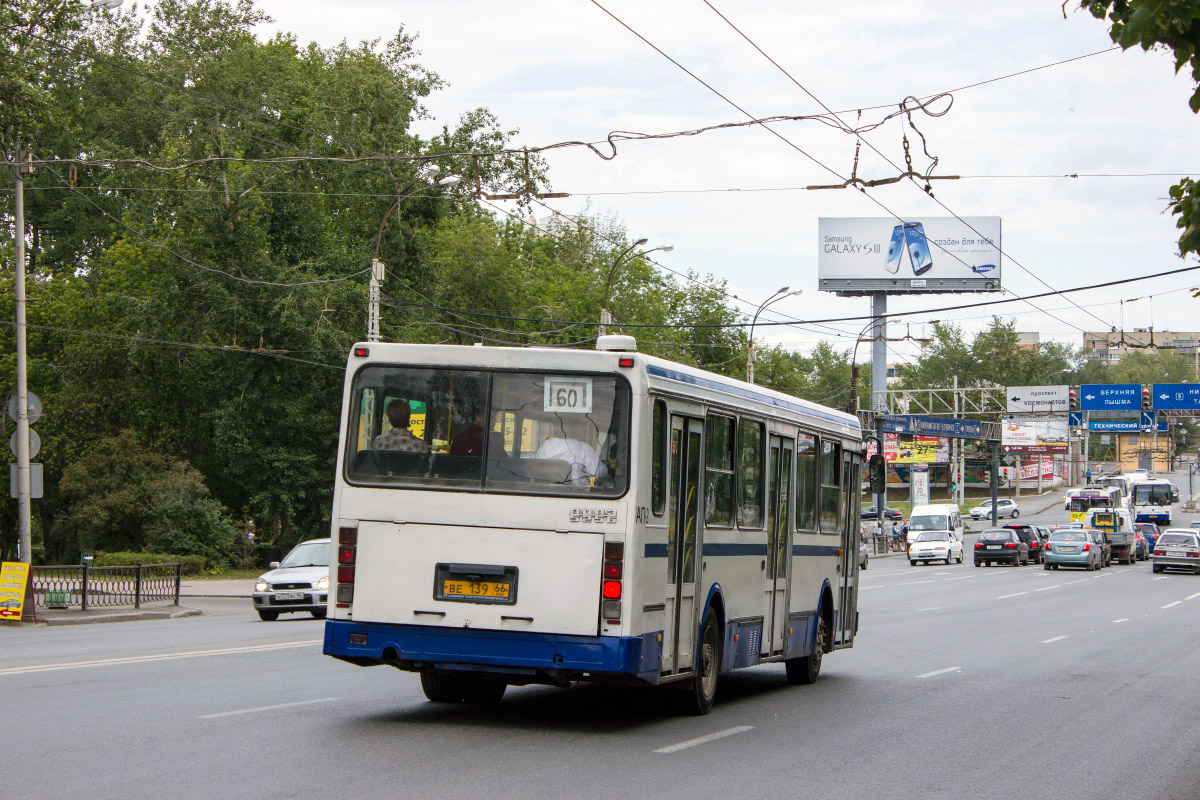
(936, 517)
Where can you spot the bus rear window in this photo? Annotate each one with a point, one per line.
(477, 430)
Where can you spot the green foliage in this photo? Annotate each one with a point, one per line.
(123, 496)
(191, 564)
(1174, 25)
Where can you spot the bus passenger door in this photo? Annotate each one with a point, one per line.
(779, 545)
(843, 636)
(683, 544)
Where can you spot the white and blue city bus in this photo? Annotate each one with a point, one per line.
(557, 515)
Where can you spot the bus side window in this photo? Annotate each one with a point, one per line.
(750, 468)
(718, 471)
(658, 460)
(831, 473)
(806, 482)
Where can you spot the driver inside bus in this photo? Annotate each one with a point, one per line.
(570, 447)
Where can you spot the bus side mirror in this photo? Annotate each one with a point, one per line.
(876, 474)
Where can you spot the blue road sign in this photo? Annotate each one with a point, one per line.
(1176, 397)
(1122, 426)
(1110, 397)
(1075, 419)
(1148, 420)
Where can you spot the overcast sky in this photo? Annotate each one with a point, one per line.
(732, 202)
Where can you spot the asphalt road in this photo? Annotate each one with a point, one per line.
(964, 682)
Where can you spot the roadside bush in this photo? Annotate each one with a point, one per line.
(192, 564)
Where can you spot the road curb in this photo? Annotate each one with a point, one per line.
(68, 616)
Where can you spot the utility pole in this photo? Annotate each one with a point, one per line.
(22, 167)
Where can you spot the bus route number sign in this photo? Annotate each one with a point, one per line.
(567, 395)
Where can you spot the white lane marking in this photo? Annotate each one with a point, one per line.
(941, 573)
(1122, 619)
(1072, 583)
(158, 657)
(1053, 639)
(1192, 596)
(267, 708)
(913, 583)
(931, 608)
(1006, 596)
(1168, 605)
(961, 578)
(939, 672)
(712, 737)
(1163, 578)
(1048, 588)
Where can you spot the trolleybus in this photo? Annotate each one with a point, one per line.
(548, 516)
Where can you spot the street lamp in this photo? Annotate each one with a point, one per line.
(377, 268)
(779, 295)
(605, 317)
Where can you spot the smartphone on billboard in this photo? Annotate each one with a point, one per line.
(895, 250)
(918, 247)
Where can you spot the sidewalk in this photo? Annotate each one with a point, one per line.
(75, 616)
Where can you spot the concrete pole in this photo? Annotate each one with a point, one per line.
(24, 529)
(879, 379)
(995, 483)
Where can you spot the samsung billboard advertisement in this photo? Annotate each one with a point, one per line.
(929, 254)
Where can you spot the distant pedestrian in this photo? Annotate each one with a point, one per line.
(1089, 475)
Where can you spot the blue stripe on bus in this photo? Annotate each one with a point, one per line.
(670, 374)
(659, 550)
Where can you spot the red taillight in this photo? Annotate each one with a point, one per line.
(345, 573)
(1193, 555)
(345, 555)
(361, 352)
(1010, 544)
(1087, 547)
(978, 545)
(1160, 552)
(625, 363)
(611, 590)
(612, 570)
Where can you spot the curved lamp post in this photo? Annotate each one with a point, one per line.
(605, 317)
(779, 295)
(377, 268)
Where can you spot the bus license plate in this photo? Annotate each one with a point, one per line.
(488, 589)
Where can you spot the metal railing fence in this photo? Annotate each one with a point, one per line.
(85, 586)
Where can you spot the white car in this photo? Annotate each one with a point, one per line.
(1004, 508)
(935, 546)
(299, 583)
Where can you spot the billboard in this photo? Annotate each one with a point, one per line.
(1027, 434)
(1038, 398)
(930, 254)
(902, 449)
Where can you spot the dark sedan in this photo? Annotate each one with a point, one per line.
(1032, 536)
(1147, 536)
(1001, 546)
(870, 512)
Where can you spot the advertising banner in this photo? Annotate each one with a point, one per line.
(14, 577)
(900, 449)
(930, 254)
(1030, 471)
(1027, 434)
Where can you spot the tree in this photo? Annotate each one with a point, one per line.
(1173, 24)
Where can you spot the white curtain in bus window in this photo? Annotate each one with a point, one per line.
(806, 483)
(750, 467)
(569, 434)
(831, 494)
(718, 472)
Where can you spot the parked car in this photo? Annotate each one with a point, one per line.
(870, 512)
(934, 546)
(1072, 548)
(1033, 536)
(862, 554)
(298, 583)
(1148, 532)
(1004, 508)
(999, 546)
(1177, 548)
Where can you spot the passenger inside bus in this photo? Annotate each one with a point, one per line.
(399, 438)
(469, 442)
(571, 448)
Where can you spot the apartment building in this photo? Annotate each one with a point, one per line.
(1112, 345)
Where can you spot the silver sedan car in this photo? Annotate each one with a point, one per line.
(1177, 548)
(298, 583)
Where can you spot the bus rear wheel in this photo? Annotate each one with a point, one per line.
(481, 691)
(440, 686)
(804, 671)
(699, 697)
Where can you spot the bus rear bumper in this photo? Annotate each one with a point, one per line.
(519, 657)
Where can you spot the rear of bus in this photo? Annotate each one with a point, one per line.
(490, 546)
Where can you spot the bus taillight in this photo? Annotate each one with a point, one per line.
(610, 587)
(346, 556)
